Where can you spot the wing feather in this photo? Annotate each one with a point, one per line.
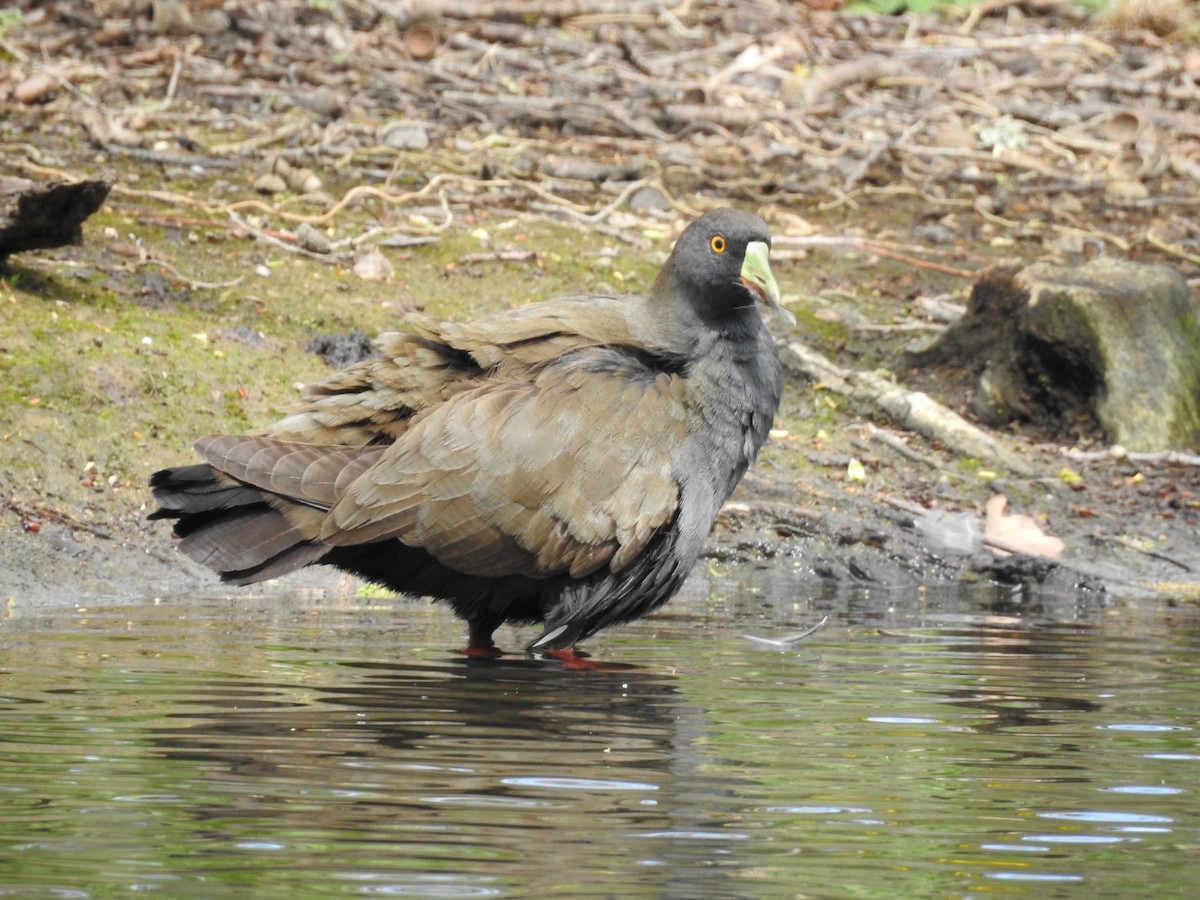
(519, 446)
(564, 474)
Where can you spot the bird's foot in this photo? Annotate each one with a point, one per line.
(481, 650)
(580, 661)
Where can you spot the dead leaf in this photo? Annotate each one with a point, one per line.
(1006, 534)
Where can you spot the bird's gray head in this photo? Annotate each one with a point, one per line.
(720, 268)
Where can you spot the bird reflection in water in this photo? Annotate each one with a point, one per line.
(457, 769)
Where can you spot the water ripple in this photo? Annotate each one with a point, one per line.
(280, 746)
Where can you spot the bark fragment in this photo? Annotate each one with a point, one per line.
(37, 215)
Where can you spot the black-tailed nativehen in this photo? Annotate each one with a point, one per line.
(560, 463)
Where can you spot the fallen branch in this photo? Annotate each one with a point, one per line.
(279, 243)
(500, 256)
(1155, 241)
(914, 410)
(1118, 453)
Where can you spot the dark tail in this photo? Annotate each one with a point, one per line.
(229, 526)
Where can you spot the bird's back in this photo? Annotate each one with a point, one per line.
(376, 400)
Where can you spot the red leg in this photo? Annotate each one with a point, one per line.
(578, 660)
(474, 652)
(480, 644)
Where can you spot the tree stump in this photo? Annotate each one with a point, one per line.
(38, 215)
(1113, 341)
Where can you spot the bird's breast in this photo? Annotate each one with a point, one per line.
(734, 392)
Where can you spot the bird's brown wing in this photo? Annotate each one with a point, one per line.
(565, 474)
(540, 333)
(375, 400)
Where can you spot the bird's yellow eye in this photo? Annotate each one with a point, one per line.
(717, 243)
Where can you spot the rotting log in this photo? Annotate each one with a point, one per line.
(913, 410)
(37, 215)
(1111, 341)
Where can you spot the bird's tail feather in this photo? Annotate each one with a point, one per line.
(229, 526)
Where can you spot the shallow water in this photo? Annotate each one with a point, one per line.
(921, 744)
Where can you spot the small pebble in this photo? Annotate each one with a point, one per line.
(304, 181)
(935, 233)
(407, 137)
(373, 266)
(1126, 190)
(648, 199)
(35, 89)
(312, 239)
(270, 183)
(323, 101)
